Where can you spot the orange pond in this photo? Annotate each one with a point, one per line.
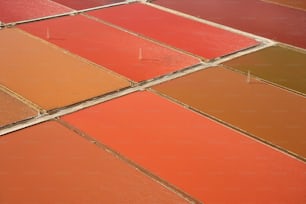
(205, 159)
(268, 112)
(48, 163)
(48, 76)
(12, 110)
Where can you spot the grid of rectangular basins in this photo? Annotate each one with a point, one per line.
(163, 101)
